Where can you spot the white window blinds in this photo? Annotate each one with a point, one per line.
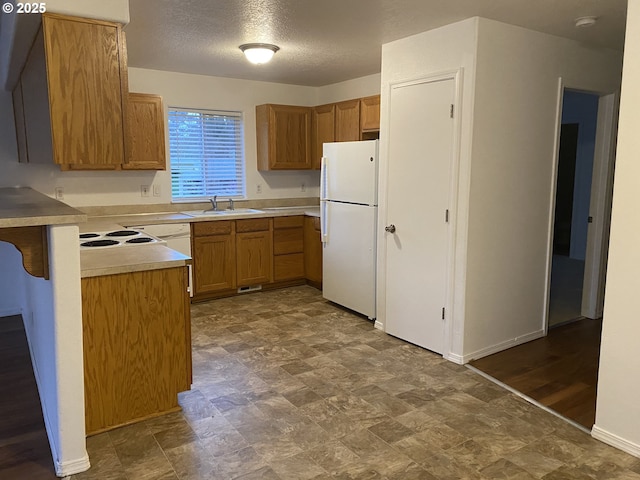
(206, 152)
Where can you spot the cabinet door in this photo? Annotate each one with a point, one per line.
(370, 114)
(348, 121)
(322, 130)
(87, 80)
(146, 132)
(254, 258)
(283, 137)
(137, 345)
(312, 250)
(214, 263)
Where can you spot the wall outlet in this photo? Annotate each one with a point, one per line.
(144, 190)
(259, 188)
(303, 187)
(59, 193)
(156, 191)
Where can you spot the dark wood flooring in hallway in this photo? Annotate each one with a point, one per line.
(560, 370)
(24, 447)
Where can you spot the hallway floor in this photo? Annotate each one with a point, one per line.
(288, 386)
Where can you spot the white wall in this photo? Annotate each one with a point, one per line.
(618, 405)
(359, 87)
(444, 49)
(581, 108)
(512, 171)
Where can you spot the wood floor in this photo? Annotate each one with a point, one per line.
(560, 371)
(24, 448)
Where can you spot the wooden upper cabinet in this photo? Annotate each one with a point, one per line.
(322, 131)
(370, 114)
(87, 80)
(347, 121)
(146, 133)
(283, 137)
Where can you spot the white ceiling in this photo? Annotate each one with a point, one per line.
(327, 41)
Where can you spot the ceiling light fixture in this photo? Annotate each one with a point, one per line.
(259, 53)
(586, 21)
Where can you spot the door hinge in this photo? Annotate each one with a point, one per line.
(589, 219)
(443, 313)
(446, 215)
(451, 112)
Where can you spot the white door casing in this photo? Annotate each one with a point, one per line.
(421, 155)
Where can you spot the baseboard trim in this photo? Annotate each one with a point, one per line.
(71, 467)
(483, 352)
(378, 325)
(615, 441)
(455, 358)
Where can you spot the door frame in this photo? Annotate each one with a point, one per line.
(600, 200)
(457, 76)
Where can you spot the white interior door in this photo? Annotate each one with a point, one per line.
(421, 133)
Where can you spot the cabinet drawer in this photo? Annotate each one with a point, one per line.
(212, 228)
(288, 240)
(288, 222)
(252, 225)
(288, 267)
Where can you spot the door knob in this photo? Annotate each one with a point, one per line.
(390, 228)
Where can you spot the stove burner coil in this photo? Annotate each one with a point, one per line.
(89, 235)
(100, 243)
(122, 233)
(140, 240)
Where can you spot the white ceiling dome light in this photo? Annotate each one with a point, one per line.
(259, 53)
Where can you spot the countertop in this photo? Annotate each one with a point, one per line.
(110, 261)
(24, 207)
(176, 217)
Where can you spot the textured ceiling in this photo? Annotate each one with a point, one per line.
(327, 41)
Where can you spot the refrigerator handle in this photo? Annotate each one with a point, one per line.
(323, 178)
(324, 234)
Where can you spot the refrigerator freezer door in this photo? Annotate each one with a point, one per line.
(350, 172)
(349, 257)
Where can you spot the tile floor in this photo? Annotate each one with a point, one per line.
(288, 386)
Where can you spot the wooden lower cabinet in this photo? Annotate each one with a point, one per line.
(137, 346)
(313, 251)
(213, 264)
(253, 251)
(288, 248)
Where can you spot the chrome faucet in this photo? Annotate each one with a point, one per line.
(231, 207)
(214, 203)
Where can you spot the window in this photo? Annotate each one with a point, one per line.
(206, 152)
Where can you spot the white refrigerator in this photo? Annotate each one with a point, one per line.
(348, 217)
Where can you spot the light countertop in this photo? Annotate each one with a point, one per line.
(110, 261)
(25, 207)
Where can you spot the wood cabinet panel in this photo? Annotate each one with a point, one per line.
(145, 128)
(223, 227)
(323, 127)
(288, 267)
(253, 225)
(136, 345)
(283, 134)
(87, 81)
(312, 250)
(254, 258)
(348, 121)
(288, 240)
(288, 222)
(370, 114)
(214, 265)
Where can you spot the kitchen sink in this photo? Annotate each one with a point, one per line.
(216, 213)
